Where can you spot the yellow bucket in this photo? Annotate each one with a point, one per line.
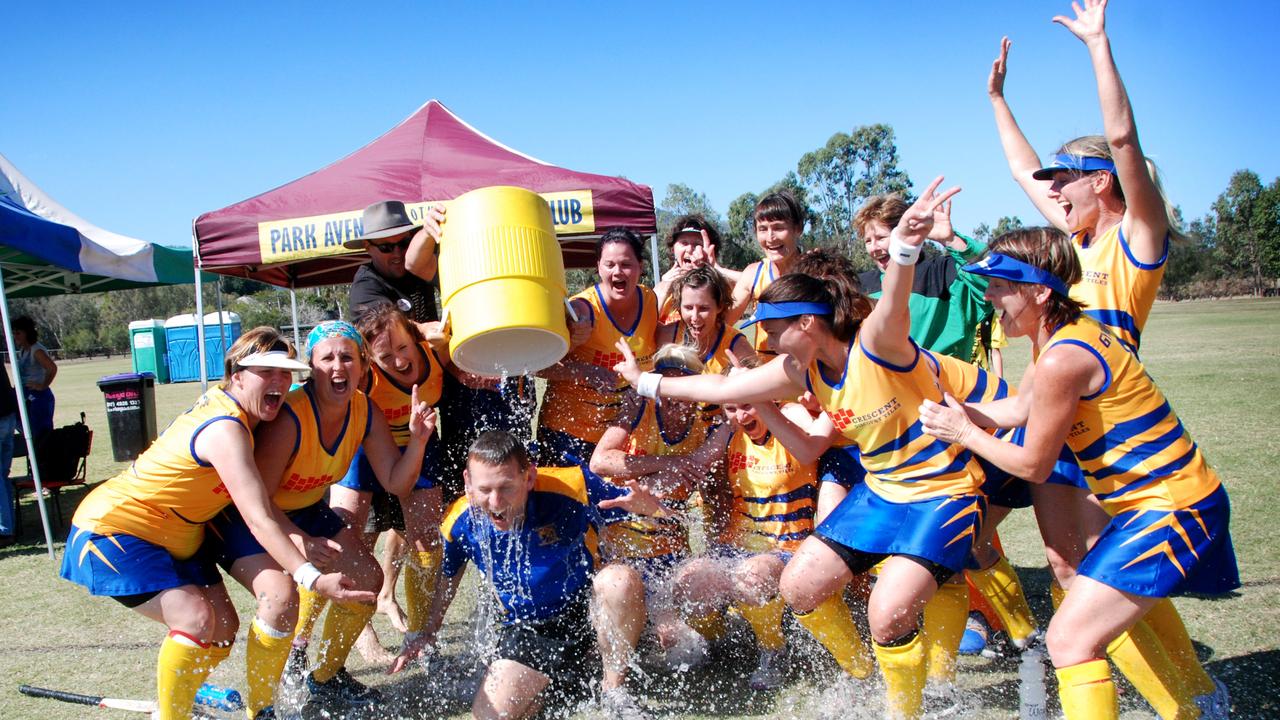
(502, 282)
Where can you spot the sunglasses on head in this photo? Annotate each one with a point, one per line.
(388, 248)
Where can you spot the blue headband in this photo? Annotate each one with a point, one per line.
(1007, 268)
(774, 311)
(670, 363)
(1081, 163)
(332, 329)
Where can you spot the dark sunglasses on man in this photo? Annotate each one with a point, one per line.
(388, 248)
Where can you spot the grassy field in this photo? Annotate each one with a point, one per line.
(1217, 362)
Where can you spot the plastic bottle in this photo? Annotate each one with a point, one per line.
(219, 698)
(1031, 693)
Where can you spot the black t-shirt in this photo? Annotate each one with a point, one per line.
(370, 288)
(8, 400)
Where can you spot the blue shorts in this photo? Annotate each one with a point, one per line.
(1158, 553)
(116, 565)
(841, 465)
(560, 449)
(940, 530)
(361, 478)
(228, 538)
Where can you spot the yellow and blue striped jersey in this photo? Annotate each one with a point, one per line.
(774, 495)
(313, 467)
(167, 494)
(875, 404)
(640, 536)
(539, 567)
(967, 382)
(764, 277)
(1117, 290)
(1133, 449)
(393, 399)
(579, 409)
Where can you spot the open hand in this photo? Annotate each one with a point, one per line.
(995, 82)
(1090, 21)
(638, 500)
(947, 422)
(412, 650)
(320, 551)
(629, 369)
(339, 587)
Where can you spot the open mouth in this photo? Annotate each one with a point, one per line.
(339, 384)
(273, 400)
(619, 286)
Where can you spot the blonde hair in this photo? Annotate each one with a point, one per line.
(259, 339)
(1049, 249)
(1096, 146)
(678, 356)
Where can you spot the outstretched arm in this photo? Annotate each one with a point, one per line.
(1017, 149)
(1145, 221)
(779, 379)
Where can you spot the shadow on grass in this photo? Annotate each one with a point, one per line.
(1251, 679)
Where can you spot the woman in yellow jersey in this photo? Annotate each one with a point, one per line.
(774, 495)
(583, 391)
(669, 450)
(137, 537)
(300, 454)
(779, 222)
(701, 298)
(919, 506)
(693, 242)
(1169, 528)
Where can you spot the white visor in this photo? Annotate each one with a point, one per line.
(272, 359)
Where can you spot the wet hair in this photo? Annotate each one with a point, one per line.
(696, 222)
(259, 339)
(677, 355)
(780, 205)
(824, 262)
(1096, 146)
(888, 209)
(841, 290)
(28, 328)
(1049, 249)
(498, 447)
(700, 277)
(621, 235)
(378, 318)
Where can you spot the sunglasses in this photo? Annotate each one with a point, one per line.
(388, 248)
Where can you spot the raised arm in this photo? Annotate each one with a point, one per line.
(421, 258)
(1017, 150)
(742, 293)
(398, 471)
(1146, 221)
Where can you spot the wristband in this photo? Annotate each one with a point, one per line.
(306, 575)
(647, 385)
(901, 252)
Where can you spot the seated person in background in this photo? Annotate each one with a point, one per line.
(693, 242)
(772, 511)
(668, 450)
(531, 532)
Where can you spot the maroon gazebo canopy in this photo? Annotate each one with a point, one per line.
(292, 236)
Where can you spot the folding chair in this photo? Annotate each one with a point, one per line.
(63, 454)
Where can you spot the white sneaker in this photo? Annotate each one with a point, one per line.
(618, 704)
(689, 652)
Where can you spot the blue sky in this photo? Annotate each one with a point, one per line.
(141, 116)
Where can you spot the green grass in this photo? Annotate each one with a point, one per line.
(1216, 361)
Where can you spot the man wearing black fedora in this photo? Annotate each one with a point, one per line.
(388, 233)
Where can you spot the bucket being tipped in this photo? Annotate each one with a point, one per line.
(502, 282)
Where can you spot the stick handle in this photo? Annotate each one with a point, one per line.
(68, 697)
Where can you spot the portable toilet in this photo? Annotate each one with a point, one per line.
(184, 348)
(147, 346)
(220, 331)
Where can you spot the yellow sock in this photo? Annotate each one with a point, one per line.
(1140, 656)
(1056, 595)
(766, 621)
(832, 624)
(945, 616)
(903, 667)
(1086, 691)
(310, 605)
(420, 576)
(183, 665)
(1166, 623)
(264, 660)
(999, 585)
(709, 625)
(341, 628)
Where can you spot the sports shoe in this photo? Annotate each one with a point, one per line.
(689, 652)
(618, 704)
(976, 633)
(768, 672)
(342, 690)
(266, 713)
(944, 700)
(1215, 705)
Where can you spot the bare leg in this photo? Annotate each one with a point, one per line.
(509, 692)
(618, 613)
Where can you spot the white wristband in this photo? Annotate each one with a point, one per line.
(900, 251)
(647, 385)
(306, 575)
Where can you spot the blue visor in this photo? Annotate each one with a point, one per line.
(1073, 162)
(773, 311)
(1007, 268)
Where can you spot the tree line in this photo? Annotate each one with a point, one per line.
(1232, 250)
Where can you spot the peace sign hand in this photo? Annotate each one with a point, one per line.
(629, 369)
(1090, 22)
(918, 220)
(999, 67)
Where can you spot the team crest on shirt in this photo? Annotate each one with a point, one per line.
(547, 535)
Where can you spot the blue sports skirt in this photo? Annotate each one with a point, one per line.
(122, 564)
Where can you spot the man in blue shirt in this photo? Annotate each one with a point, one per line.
(531, 532)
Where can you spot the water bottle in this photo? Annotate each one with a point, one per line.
(219, 698)
(1031, 695)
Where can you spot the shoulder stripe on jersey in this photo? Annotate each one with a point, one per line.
(569, 482)
(206, 424)
(456, 511)
(297, 432)
(1106, 369)
(1164, 255)
(886, 364)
